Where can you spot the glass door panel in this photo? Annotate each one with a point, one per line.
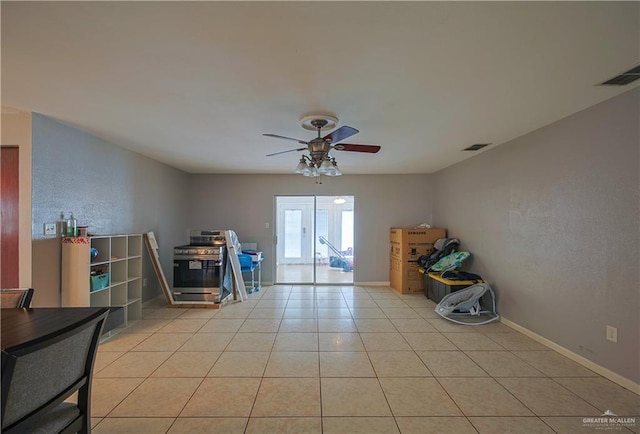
(334, 246)
(322, 230)
(292, 234)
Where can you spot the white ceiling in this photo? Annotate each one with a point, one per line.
(195, 85)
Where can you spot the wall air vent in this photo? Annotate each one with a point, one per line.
(476, 147)
(625, 78)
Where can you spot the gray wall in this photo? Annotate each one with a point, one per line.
(108, 188)
(245, 203)
(552, 220)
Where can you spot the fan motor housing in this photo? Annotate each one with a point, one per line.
(318, 149)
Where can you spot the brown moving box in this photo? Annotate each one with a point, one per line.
(407, 245)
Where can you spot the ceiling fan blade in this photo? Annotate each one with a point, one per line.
(286, 138)
(284, 152)
(372, 149)
(340, 134)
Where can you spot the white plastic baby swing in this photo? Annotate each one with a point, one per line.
(463, 307)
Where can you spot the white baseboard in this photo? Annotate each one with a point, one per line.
(146, 303)
(371, 283)
(616, 378)
(262, 284)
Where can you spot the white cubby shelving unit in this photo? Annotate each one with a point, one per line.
(118, 255)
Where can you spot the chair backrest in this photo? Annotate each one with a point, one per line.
(246, 263)
(15, 297)
(38, 376)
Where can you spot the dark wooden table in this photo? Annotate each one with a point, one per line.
(20, 326)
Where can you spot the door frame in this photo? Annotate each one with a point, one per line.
(334, 214)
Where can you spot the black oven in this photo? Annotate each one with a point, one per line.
(199, 273)
(196, 272)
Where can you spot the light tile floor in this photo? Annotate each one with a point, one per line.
(304, 273)
(303, 359)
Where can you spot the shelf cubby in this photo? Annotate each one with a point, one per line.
(134, 269)
(103, 246)
(118, 247)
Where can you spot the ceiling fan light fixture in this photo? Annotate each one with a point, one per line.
(335, 170)
(325, 167)
(312, 171)
(307, 172)
(302, 167)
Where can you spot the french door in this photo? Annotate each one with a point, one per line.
(314, 239)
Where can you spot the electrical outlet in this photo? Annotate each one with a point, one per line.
(144, 282)
(612, 334)
(50, 229)
(266, 225)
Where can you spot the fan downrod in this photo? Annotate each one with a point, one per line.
(319, 123)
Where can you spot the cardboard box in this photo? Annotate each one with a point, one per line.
(411, 243)
(405, 277)
(407, 245)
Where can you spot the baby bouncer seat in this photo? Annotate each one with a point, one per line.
(463, 307)
(441, 248)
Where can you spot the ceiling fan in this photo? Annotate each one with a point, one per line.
(320, 161)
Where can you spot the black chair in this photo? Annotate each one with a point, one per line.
(37, 378)
(15, 297)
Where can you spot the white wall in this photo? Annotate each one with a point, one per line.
(245, 203)
(552, 220)
(16, 131)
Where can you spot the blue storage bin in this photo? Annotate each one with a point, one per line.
(99, 282)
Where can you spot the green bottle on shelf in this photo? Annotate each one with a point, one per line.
(72, 226)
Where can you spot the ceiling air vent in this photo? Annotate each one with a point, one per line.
(476, 147)
(625, 78)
